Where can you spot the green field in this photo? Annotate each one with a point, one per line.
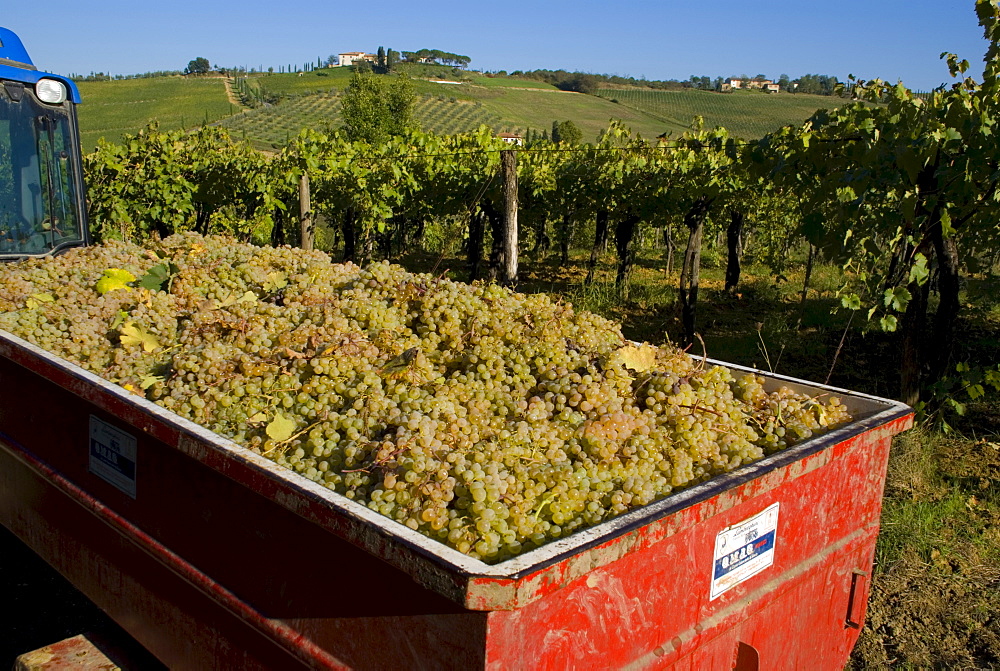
(311, 99)
(271, 127)
(113, 108)
(747, 114)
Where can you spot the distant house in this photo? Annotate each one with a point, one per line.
(350, 57)
(512, 138)
(755, 83)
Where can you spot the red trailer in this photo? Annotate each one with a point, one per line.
(214, 557)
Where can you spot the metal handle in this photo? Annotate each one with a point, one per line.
(850, 621)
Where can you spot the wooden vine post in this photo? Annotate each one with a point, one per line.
(508, 170)
(305, 213)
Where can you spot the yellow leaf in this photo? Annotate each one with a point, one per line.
(248, 297)
(134, 334)
(639, 358)
(281, 428)
(114, 279)
(275, 280)
(259, 417)
(148, 381)
(37, 299)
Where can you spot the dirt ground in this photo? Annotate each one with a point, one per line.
(935, 602)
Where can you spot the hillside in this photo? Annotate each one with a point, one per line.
(448, 101)
(272, 126)
(748, 114)
(110, 109)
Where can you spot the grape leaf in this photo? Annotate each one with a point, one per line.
(147, 381)
(259, 417)
(135, 334)
(919, 271)
(36, 300)
(114, 279)
(248, 297)
(851, 302)
(897, 298)
(119, 319)
(275, 281)
(639, 358)
(157, 276)
(280, 428)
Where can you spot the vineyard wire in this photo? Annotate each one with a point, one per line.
(579, 150)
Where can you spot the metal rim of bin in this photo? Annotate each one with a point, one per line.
(426, 560)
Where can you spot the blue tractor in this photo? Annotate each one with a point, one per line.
(42, 209)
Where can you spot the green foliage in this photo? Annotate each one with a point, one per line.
(436, 56)
(158, 183)
(198, 66)
(566, 131)
(949, 395)
(898, 187)
(374, 110)
(158, 277)
(579, 83)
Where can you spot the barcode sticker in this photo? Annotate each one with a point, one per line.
(744, 550)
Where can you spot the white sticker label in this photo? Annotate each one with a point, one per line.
(112, 455)
(744, 550)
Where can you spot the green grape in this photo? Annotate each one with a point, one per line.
(488, 420)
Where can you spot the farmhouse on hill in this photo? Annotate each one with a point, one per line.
(350, 57)
(755, 83)
(511, 138)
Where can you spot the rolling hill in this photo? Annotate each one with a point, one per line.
(448, 101)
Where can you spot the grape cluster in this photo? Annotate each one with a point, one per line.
(489, 420)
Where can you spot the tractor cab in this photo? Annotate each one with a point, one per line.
(42, 209)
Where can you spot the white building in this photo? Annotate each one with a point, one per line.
(350, 57)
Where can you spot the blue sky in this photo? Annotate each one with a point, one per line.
(668, 39)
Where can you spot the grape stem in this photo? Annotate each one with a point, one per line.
(698, 407)
(704, 353)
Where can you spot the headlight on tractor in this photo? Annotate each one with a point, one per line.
(50, 91)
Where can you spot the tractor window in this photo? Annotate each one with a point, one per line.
(39, 203)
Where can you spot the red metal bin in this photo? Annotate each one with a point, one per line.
(214, 557)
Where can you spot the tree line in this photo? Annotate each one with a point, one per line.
(587, 82)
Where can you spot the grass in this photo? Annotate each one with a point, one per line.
(511, 104)
(111, 109)
(538, 108)
(317, 81)
(747, 114)
(936, 588)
